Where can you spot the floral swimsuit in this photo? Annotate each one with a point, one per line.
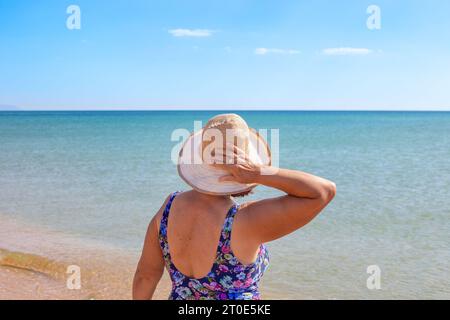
(228, 279)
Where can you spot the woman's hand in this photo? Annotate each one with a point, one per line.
(239, 168)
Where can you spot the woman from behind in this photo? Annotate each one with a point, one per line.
(212, 247)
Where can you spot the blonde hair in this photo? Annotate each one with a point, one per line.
(242, 194)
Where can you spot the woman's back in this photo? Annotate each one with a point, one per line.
(195, 238)
(213, 248)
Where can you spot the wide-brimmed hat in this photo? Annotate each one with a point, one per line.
(199, 152)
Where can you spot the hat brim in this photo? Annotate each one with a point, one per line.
(205, 178)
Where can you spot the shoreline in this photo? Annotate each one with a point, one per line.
(34, 262)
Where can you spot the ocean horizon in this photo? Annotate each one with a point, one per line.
(232, 109)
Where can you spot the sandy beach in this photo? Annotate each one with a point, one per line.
(33, 265)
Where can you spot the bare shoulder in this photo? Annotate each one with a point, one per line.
(243, 219)
(244, 210)
(157, 217)
(182, 196)
(250, 211)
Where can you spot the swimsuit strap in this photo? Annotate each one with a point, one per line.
(163, 226)
(225, 235)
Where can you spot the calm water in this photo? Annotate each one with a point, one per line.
(100, 176)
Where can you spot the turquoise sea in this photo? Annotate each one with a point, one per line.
(100, 176)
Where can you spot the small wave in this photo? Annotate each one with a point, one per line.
(33, 263)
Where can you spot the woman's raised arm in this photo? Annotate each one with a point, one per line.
(270, 219)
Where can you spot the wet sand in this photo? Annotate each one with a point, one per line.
(33, 265)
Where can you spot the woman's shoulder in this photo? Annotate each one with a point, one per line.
(245, 207)
(242, 215)
(158, 216)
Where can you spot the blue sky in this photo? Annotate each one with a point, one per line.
(259, 54)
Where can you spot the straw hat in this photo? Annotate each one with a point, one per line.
(205, 147)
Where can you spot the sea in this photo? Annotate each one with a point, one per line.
(82, 186)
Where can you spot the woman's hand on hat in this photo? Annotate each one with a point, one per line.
(239, 168)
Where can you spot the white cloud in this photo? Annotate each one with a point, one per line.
(264, 51)
(191, 32)
(346, 51)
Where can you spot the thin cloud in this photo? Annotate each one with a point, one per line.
(191, 32)
(265, 51)
(346, 51)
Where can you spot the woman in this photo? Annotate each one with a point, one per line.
(216, 246)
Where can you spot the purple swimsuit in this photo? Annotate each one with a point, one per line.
(228, 279)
